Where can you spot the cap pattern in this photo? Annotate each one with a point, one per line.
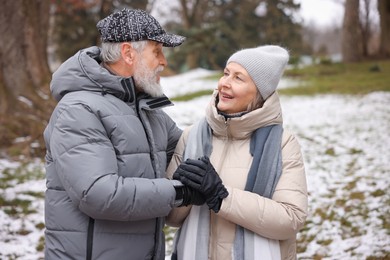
(264, 64)
(135, 25)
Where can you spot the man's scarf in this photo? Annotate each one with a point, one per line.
(192, 239)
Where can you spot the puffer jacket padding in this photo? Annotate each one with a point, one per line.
(106, 159)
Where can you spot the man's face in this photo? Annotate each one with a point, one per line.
(150, 62)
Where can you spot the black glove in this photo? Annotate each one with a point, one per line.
(189, 196)
(201, 175)
(185, 193)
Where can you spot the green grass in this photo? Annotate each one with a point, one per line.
(340, 78)
(327, 78)
(192, 95)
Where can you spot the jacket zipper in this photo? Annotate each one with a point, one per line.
(225, 144)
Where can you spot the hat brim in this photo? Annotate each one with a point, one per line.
(168, 39)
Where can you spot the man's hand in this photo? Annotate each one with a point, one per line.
(201, 176)
(186, 194)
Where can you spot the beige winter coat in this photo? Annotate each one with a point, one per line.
(280, 218)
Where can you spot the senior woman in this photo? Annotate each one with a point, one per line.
(248, 168)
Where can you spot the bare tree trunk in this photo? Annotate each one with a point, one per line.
(366, 28)
(191, 12)
(24, 70)
(384, 13)
(352, 37)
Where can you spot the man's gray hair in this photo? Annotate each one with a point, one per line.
(111, 51)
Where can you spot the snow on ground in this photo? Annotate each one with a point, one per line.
(22, 207)
(345, 141)
(188, 82)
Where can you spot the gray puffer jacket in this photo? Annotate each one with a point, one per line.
(107, 152)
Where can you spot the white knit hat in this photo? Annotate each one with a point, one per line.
(264, 64)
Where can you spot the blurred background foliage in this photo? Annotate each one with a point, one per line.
(214, 29)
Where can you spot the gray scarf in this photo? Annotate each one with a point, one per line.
(192, 239)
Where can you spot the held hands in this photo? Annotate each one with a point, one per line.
(201, 176)
(191, 196)
(185, 195)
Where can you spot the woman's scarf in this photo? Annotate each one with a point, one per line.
(192, 239)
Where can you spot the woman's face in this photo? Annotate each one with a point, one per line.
(236, 89)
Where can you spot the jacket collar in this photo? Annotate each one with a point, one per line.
(242, 127)
(83, 72)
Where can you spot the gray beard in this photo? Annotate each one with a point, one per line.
(146, 80)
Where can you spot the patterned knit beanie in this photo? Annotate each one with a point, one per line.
(264, 64)
(130, 25)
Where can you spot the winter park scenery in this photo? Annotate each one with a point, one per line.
(339, 108)
(345, 141)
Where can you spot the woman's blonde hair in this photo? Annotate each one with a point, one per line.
(256, 103)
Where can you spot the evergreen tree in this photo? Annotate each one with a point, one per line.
(74, 27)
(225, 26)
(75, 22)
